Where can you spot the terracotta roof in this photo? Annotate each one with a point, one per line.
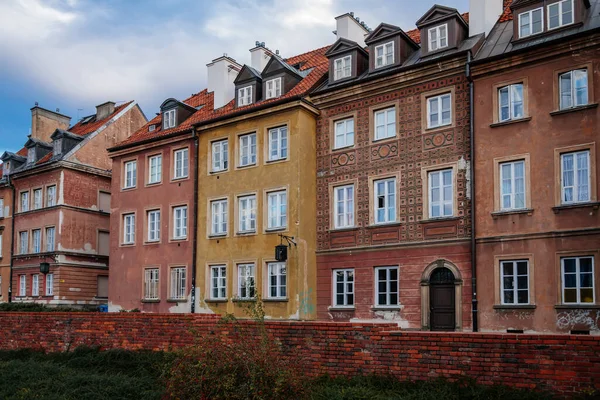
(84, 129)
(22, 152)
(507, 15)
(44, 159)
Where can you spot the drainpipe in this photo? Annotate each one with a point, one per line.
(12, 238)
(195, 212)
(472, 156)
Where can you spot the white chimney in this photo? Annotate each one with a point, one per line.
(350, 28)
(259, 56)
(483, 15)
(221, 74)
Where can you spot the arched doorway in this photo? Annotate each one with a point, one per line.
(441, 297)
(442, 300)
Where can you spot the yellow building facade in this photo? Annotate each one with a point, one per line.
(256, 182)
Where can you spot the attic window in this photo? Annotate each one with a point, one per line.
(560, 14)
(531, 22)
(6, 169)
(151, 128)
(30, 155)
(438, 37)
(384, 55)
(169, 119)
(245, 96)
(57, 147)
(341, 68)
(273, 88)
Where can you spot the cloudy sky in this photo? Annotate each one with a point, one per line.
(75, 54)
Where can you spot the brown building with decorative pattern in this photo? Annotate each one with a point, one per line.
(393, 175)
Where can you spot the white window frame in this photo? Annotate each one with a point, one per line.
(343, 196)
(576, 181)
(51, 196)
(169, 119)
(35, 285)
(24, 201)
(153, 225)
(275, 88)
(37, 199)
(514, 276)
(388, 291)
(387, 50)
(278, 143)
(49, 284)
(530, 14)
(246, 280)
(277, 210)
(151, 284)
(130, 175)
(180, 221)
(439, 111)
(342, 67)
(443, 202)
(36, 240)
(388, 205)
(512, 194)
(178, 277)
(560, 14)
(129, 228)
(247, 214)
(50, 238)
(346, 282)
(181, 163)
(22, 285)
(574, 75)
(0, 256)
(218, 282)
(220, 148)
(247, 149)
(23, 244)
(245, 96)
(278, 270)
(511, 91)
(577, 279)
(436, 44)
(1, 208)
(218, 217)
(387, 123)
(155, 169)
(344, 130)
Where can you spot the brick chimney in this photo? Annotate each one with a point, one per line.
(45, 122)
(104, 110)
(350, 27)
(483, 15)
(260, 56)
(221, 73)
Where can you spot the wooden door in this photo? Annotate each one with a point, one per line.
(442, 300)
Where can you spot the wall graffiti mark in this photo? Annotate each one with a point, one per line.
(306, 304)
(578, 318)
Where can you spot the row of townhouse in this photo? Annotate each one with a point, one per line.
(55, 207)
(419, 177)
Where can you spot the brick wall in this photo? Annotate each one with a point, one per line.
(564, 364)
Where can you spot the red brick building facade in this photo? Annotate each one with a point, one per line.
(387, 250)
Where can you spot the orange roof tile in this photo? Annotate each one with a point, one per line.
(22, 152)
(47, 157)
(84, 129)
(507, 15)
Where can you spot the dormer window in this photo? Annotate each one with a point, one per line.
(342, 68)
(438, 37)
(169, 119)
(57, 147)
(531, 22)
(30, 155)
(273, 88)
(384, 55)
(245, 96)
(560, 14)
(151, 128)
(6, 169)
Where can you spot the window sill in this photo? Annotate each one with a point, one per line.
(510, 122)
(497, 214)
(127, 244)
(577, 306)
(275, 161)
(574, 109)
(384, 308)
(215, 301)
(340, 308)
(438, 128)
(217, 236)
(384, 140)
(246, 233)
(152, 242)
(276, 300)
(274, 230)
(340, 149)
(218, 172)
(348, 229)
(176, 300)
(181, 178)
(125, 189)
(514, 306)
(150, 184)
(246, 166)
(440, 219)
(590, 204)
(150, 300)
(383, 225)
(252, 300)
(181, 239)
